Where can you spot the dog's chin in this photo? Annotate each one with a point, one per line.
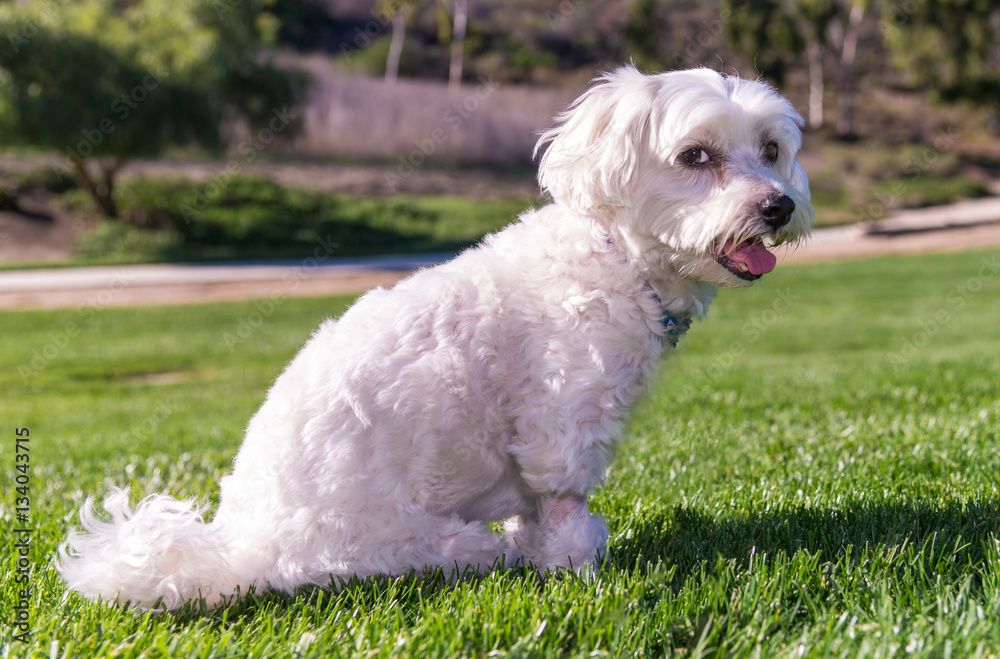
(745, 269)
(704, 267)
(724, 277)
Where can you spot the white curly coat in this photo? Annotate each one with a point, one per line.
(492, 387)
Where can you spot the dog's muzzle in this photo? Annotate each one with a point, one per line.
(749, 259)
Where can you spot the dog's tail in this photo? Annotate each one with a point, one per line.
(157, 556)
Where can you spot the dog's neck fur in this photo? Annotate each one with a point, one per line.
(681, 297)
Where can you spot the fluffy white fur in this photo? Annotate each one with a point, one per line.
(492, 387)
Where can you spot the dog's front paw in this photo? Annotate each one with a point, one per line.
(562, 534)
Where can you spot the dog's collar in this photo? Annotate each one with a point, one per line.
(674, 327)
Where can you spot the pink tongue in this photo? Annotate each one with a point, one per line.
(756, 257)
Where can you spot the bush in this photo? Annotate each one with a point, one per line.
(8, 198)
(114, 241)
(929, 191)
(246, 217)
(49, 179)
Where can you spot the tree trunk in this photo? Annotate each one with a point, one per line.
(102, 192)
(458, 43)
(845, 39)
(396, 45)
(816, 91)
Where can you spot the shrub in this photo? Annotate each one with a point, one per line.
(247, 217)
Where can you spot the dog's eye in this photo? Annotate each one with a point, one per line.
(696, 156)
(771, 151)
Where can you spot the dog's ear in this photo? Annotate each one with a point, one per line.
(592, 153)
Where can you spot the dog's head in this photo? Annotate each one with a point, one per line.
(691, 171)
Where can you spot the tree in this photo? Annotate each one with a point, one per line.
(398, 12)
(452, 22)
(460, 20)
(951, 48)
(104, 81)
(774, 34)
(843, 29)
(769, 36)
(642, 34)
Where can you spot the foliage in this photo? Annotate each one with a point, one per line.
(767, 34)
(924, 191)
(516, 40)
(116, 242)
(791, 486)
(777, 34)
(849, 184)
(111, 80)
(948, 46)
(8, 198)
(245, 217)
(48, 179)
(642, 35)
(302, 24)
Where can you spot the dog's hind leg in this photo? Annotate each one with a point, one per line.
(471, 545)
(559, 533)
(417, 541)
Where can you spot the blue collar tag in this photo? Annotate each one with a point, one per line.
(675, 329)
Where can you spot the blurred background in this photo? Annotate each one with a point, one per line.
(152, 130)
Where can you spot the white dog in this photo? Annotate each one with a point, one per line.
(492, 387)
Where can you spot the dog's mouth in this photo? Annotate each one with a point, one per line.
(748, 259)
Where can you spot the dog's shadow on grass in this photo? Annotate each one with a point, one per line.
(679, 537)
(688, 538)
(408, 592)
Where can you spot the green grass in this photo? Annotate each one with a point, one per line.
(815, 473)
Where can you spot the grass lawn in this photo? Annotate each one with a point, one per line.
(815, 473)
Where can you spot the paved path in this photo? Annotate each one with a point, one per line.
(182, 283)
(958, 226)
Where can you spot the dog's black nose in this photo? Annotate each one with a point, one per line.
(776, 210)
